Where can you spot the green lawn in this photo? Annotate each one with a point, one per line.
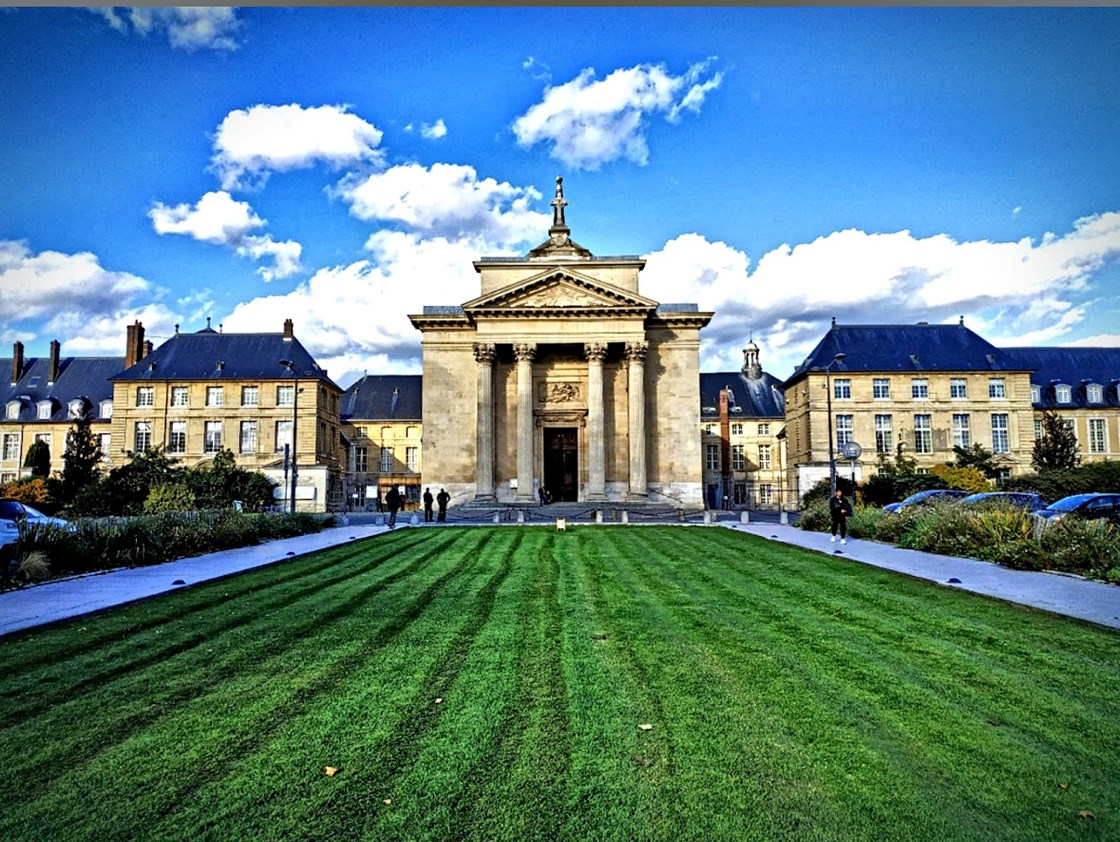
(791, 695)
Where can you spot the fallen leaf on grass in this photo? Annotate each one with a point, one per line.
(1085, 814)
(645, 726)
(388, 800)
(439, 701)
(330, 771)
(1063, 786)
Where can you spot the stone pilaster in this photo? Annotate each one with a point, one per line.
(484, 448)
(524, 352)
(636, 365)
(595, 352)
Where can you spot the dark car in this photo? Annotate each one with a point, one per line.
(1027, 500)
(930, 495)
(14, 514)
(1087, 506)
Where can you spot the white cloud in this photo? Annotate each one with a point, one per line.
(446, 200)
(433, 131)
(1015, 292)
(252, 143)
(589, 122)
(188, 28)
(86, 305)
(1101, 340)
(218, 218)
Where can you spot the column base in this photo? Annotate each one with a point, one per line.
(596, 498)
(485, 498)
(638, 496)
(525, 498)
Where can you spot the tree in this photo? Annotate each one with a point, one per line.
(978, 457)
(38, 459)
(81, 457)
(1057, 448)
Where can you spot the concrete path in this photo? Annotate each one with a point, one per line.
(1072, 596)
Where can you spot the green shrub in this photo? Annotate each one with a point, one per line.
(864, 522)
(169, 497)
(815, 517)
(1089, 547)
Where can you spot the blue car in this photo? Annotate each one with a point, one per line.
(1087, 506)
(930, 495)
(1027, 500)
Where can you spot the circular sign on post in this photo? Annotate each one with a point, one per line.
(852, 451)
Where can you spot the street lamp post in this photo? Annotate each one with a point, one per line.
(831, 443)
(288, 364)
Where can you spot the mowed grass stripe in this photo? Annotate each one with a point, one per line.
(278, 664)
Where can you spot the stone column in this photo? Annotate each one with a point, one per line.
(595, 352)
(524, 352)
(636, 365)
(484, 448)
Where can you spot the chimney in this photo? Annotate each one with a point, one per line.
(147, 347)
(52, 372)
(133, 344)
(17, 362)
(289, 330)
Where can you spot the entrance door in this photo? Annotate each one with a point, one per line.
(561, 463)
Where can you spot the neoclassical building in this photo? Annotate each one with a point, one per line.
(561, 375)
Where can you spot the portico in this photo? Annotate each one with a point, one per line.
(563, 362)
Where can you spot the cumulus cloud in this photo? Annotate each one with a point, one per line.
(446, 200)
(220, 219)
(588, 122)
(187, 27)
(254, 142)
(433, 131)
(1014, 292)
(87, 306)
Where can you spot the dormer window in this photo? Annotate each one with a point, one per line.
(75, 408)
(1063, 393)
(105, 410)
(1036, 394)
(12, 413)
(1094, 393)
(45, 411)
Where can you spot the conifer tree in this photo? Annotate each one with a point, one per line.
(81, 457)
(1057, 448)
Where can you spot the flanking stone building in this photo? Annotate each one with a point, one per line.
(561, 375)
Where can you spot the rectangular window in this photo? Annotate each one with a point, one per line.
(180, 396)
(764, 461)
(842, 389)
(105, 440)
(1094, 393)
(361, 459)
(11, 445)
(145, 396)
(213, 441)
(884, 437)
(177, 437)
(881, 389)
(363, 432)
(1096, 435)
(283, 435)
(737, 429)
(250, 396)
(45, 437)
(1000, 442)
(386, 460)
(738, 458)
(1062, 394)
(961, 434)
(215, 396)
(1037, 429)
(765, 494)
(285, 395)
(709, 429)
(996, 388)
(843, 430)
(411, 457)
(143, 437)
(45, 411)
(919, 389)
(958, 388)
(923, 434)
(711, 457)
(106, 409)
(740, 494)
(248, 436)
(764, 429)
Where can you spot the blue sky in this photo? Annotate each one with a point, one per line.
(344, 166)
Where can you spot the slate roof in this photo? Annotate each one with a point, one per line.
(759, 398)
(243, 356)
(1076, 368)
(906, 349)
(78, 377)
(385, 397)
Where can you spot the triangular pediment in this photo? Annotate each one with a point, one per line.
(559, 290)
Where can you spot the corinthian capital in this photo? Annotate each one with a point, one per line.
(636, 351)
(524, 351)
(595, 352)
(484, 352)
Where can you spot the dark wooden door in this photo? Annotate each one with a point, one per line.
(561, 463)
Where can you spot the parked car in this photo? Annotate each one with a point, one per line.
(14, 514)
(1027, 500)
(1087, 506)
(930, 495)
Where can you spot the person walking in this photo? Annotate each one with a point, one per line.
(428, 499)
(841, 509)
(393, 502)
(442, 499)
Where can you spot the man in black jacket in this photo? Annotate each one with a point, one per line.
(393, 501)
(840, 509)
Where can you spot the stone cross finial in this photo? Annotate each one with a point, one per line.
(558, 204)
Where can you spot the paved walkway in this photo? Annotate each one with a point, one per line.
(1071, 596)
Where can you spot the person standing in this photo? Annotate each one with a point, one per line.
(442, 499)
(428, 500)
(393, 502)
(841, 509)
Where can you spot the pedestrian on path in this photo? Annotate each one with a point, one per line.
(428, 500)
(840, 509)
(393, 501)
(442, 499)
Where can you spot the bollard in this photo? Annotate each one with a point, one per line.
(379, 520)
(520, 516)
(707, 516)
(680, 514)
(783, 518)
(414, 520)
(745, 517)
(497, 518)
(625, 516)
(561, 524)
(598, 515)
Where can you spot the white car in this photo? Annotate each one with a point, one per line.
(13, 514)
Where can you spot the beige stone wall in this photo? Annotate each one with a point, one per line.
(672, 396)
(450, 400)
(26, 433)
(496, 276)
